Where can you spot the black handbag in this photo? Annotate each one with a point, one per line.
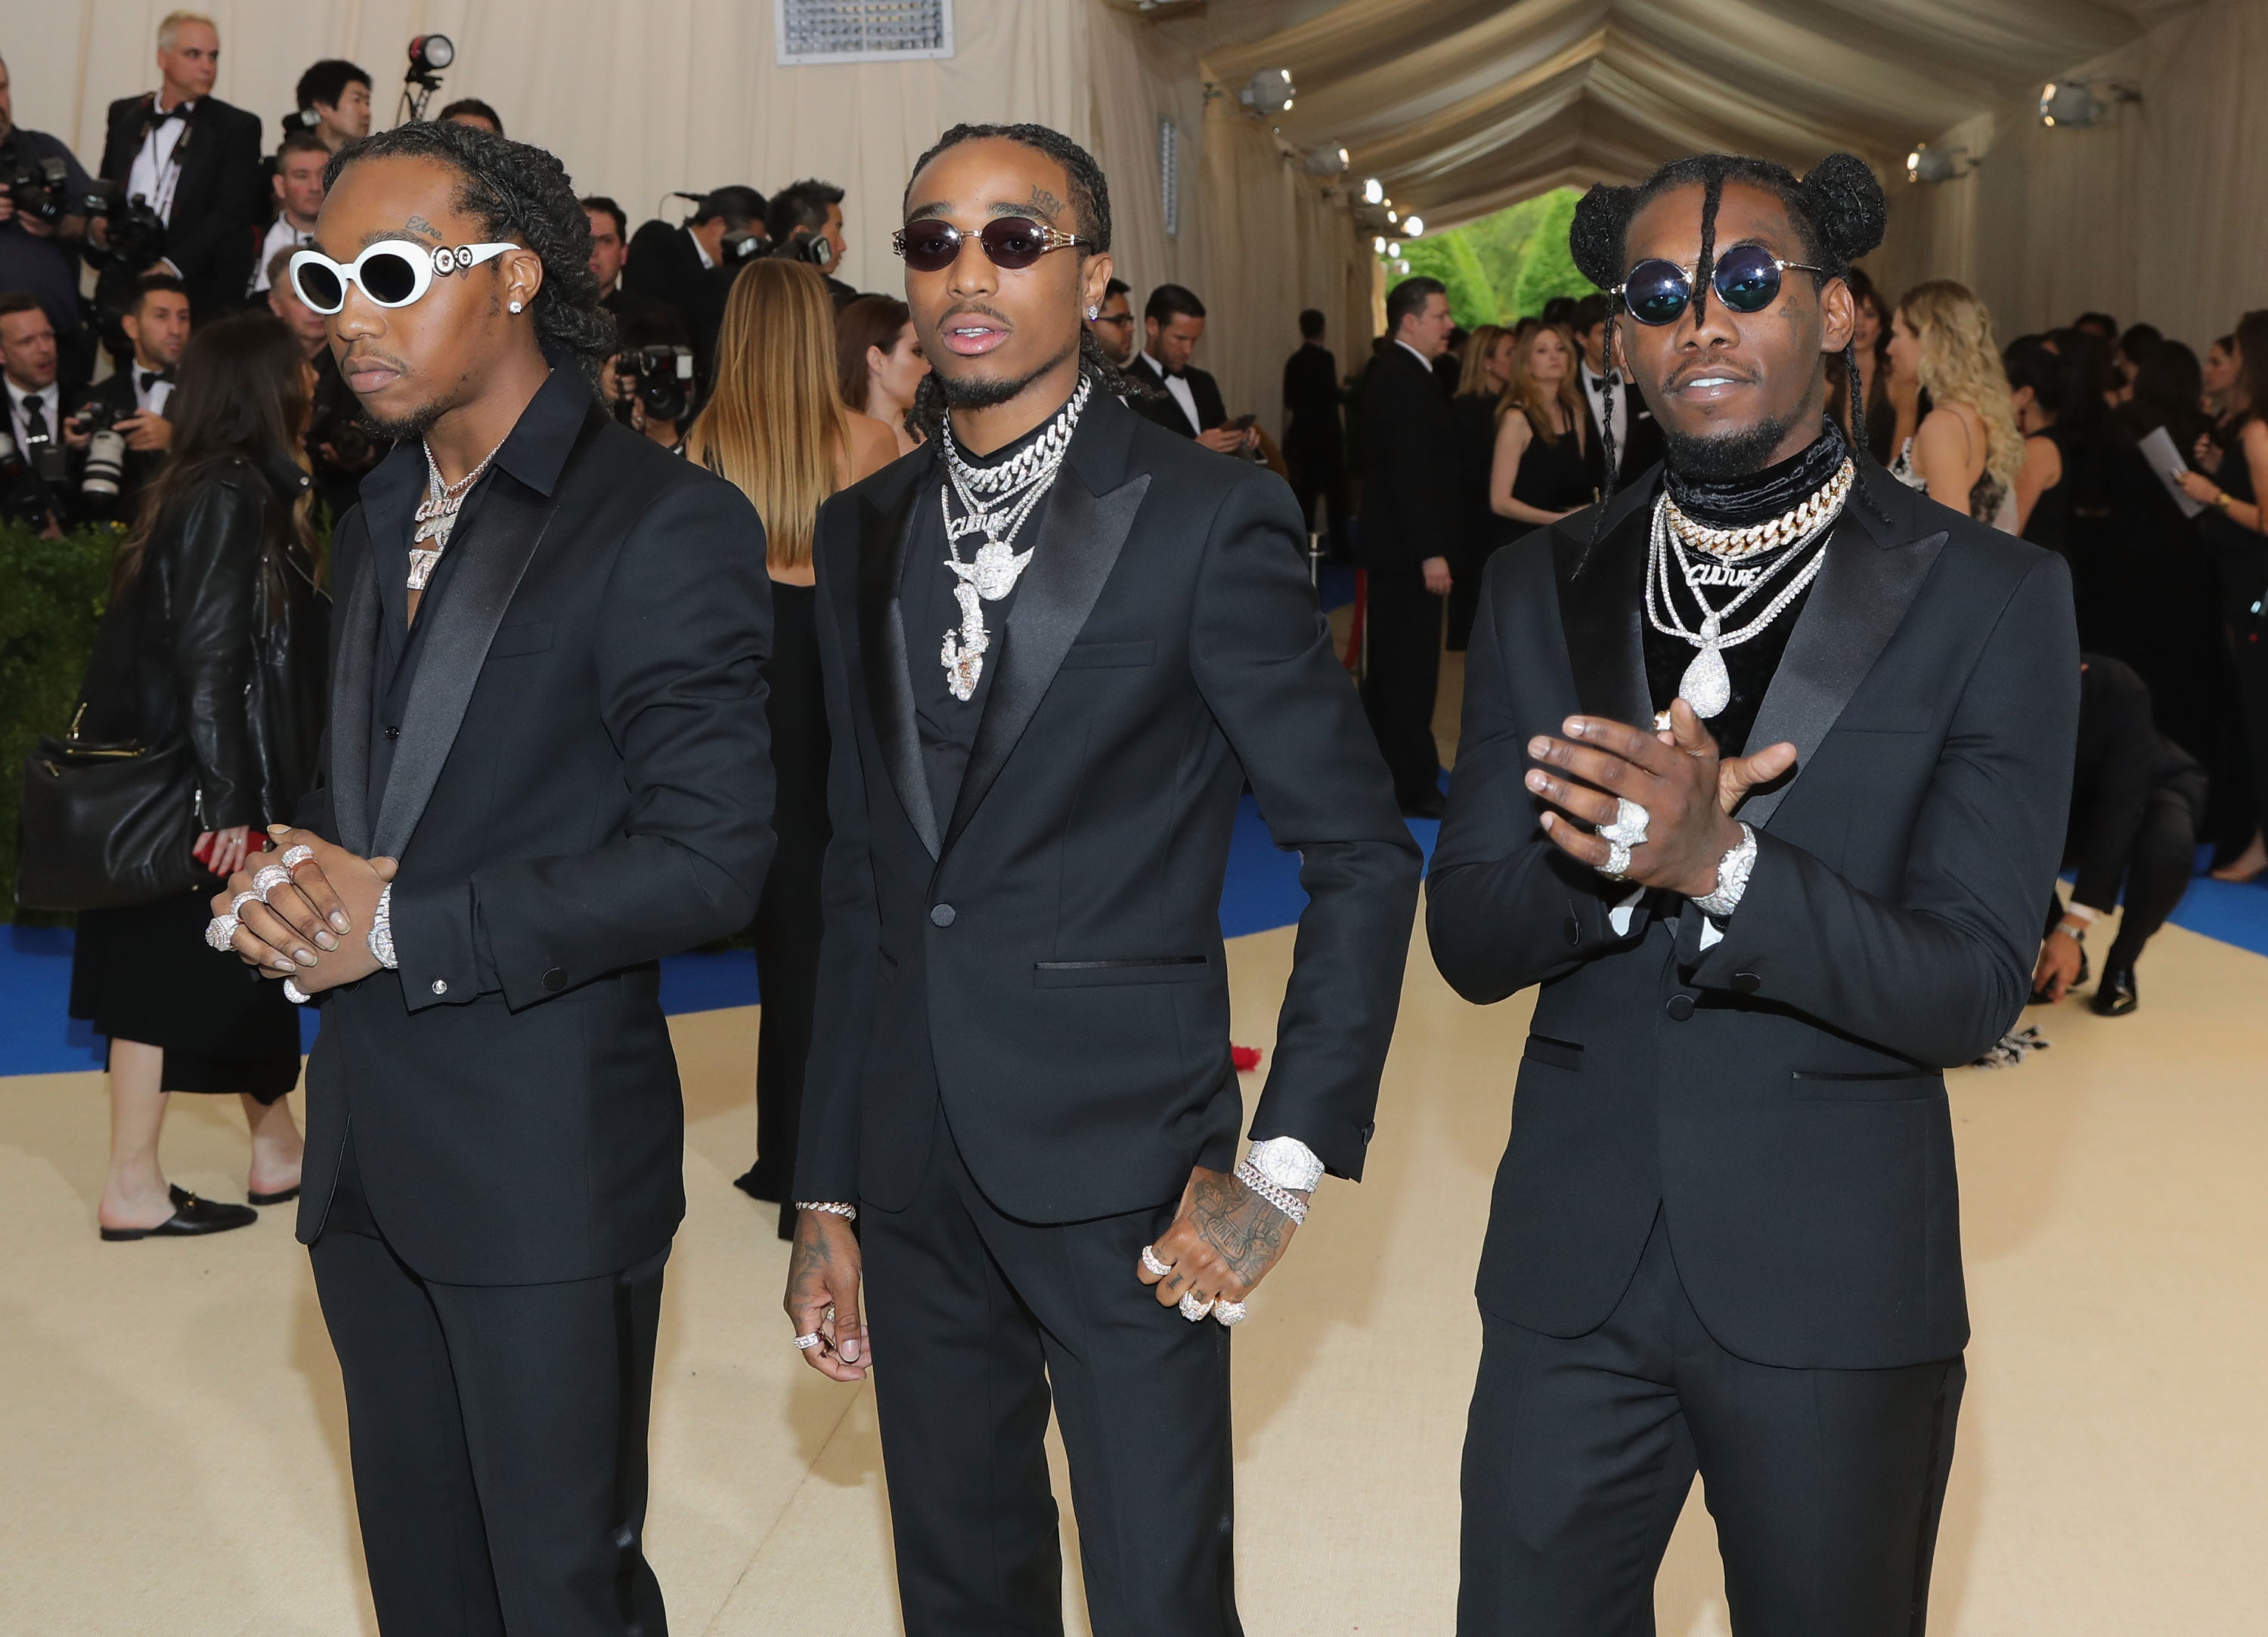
(107, 825)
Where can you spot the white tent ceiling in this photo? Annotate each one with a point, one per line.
(1461, 107)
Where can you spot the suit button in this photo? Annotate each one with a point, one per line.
(440, 986)
(1574, 930)
(940, 914)
(555, 980)
(1745, 983)
(1680, 1008)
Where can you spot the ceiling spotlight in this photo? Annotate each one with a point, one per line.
(1926, 164)
(1393, 249)
(1391, 216)
(1269, 91)
(1324, 161)
(1414, 225)
(2073, 104)
(1374, 191)
(1378, 247)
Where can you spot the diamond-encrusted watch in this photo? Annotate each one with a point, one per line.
(1288, 1162)
(381, 931)
(1732, 876)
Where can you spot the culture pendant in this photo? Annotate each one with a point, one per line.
(1706, 684)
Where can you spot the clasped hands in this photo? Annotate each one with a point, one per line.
(314, 928)
(1688, 793)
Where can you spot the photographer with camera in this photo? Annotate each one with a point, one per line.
(610, 248)
(40, 451)
(124, 415)
(804, 221)
(194, 161)
(690, 269)
(339, 449)
(299, 187)
(43, 193)
(650, 381)
(334, 107)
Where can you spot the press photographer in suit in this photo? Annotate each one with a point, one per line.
(690, 269)
(197, 160)
(547, 768)
(804, 221)
(136, 398)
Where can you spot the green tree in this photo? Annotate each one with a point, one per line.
(1506, 266)
(1547, 269)
(1450, 257)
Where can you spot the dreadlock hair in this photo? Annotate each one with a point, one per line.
(516, 192)
(1836, 210)
(1090, 204)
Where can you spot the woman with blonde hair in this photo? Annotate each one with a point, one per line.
(777, 426)
(1538, 472)
(1966, 450)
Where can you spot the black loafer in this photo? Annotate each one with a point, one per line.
(191, 1216)
(2115, 997)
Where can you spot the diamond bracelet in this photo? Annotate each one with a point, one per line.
(1732, 876)
(381, 931)
(1283, 1199)
(833, 1207)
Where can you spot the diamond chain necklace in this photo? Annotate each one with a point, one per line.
(437, 515)
(995, 502)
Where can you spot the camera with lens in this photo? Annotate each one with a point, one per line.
(809, 245)
(103, 476)
(659, 378)
(22, 497)
(135, 235)
(39, 187)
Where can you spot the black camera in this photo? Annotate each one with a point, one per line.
(806, 245)
(659, 378)
(338, 424)
(103, 474)
(40, 188)
(135, 235)
(23, 498)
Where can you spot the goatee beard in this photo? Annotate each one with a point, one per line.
(1726, 456)
(415, 424)
(990, 391)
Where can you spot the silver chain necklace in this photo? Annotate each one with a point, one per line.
(437, 515)
(995, 502)
(1706, 685)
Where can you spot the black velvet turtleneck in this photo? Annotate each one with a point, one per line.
(1734, 504)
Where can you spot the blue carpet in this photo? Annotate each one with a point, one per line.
(1262, 891)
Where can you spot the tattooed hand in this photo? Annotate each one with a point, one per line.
(1223, 1242)
(822, 1295)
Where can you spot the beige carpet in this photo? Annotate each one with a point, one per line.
(173, 1441)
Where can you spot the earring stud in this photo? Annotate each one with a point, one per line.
(515, 307)
(1092, 313)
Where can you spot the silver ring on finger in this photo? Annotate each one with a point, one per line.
(1618, 861)
(236, 905)
(296, 856)
(804, 1344)
(270, 877)
(1230, 1313)
(220, 935)
(1192, 1307)
(1151, 1262)
(1629, 825)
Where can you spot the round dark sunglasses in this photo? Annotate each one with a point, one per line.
(1747, 279)
(1013, 242)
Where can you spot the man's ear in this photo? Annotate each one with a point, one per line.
(1093, 279)
(1839, 316)
(523, 276)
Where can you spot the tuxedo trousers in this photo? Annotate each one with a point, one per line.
(979, 1325)
(1403, 622)
(1826, 1485)
(498, 1437)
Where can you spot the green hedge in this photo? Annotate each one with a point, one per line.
(51, 595)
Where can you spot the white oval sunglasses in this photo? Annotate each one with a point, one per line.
(392, 272)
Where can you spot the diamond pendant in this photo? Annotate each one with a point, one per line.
(1706, 685)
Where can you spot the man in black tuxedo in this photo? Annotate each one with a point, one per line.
(1409, 511)
(197, 161)
(690, 269)
(1021, 1085)
(1183, 399)
(1314, 437)
(1726, 1234)
(157, 325)
(546, 768)
(1637, 434)
(804, 220)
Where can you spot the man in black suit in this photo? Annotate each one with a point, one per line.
(1183, 399)
(547, 768)
(1315, 438)
(804, 221)
(197, 160)
(1637, 434)
(2137, 801)
(1408, 521)
(1021, 1085)
(690, 269)
(1726, 1234)
(158, 324)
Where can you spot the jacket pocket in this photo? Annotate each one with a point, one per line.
(1080, 974)
(1910, 1085)
(1101, 655)
(1556, 1054)
(515, 639)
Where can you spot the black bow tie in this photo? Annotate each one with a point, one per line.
(1170, 375)
(151, 378)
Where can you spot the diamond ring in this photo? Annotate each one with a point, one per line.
(1150, 1260)
(296, 856)
(804, 1344)
(1618, 861)
(270, 877)
(1228, 1313)
(236, 905)
(220, 934)
(294, 994)
(1192, 1309)
(1629, 827)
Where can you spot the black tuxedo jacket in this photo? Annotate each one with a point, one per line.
(1640, 448)
(1410, 508)
(1047, 958)
(582, 785)
(664, 265)
(1778, 1096)
(1311, 429)
(1162, 410)
(116, 389)
(220, 203)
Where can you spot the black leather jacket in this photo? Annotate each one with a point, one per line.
(223, 636)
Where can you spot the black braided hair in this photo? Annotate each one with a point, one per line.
(1089, 205)
(515, 191)
(1836, 208)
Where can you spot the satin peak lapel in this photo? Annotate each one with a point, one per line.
(1855, 607)
(1081, 534)
(1601, 607)
(352, 678)
(883, 534)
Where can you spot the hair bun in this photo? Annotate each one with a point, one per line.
(1594, 237)
(1844, 201)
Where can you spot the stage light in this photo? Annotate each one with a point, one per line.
(1392, 248)
(1378, 247)
(1325, 161)
(1414, 226)
(1926, 164)
(1391, 216)
(1269, 91)
(2073, 104)
(1374, 191)
(429, 54)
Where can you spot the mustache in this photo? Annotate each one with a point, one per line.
(975, 310)
(371, 355)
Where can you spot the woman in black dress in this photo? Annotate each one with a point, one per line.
(777, 426)
(1487, 367)
(1538, 474)
(214, 630)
